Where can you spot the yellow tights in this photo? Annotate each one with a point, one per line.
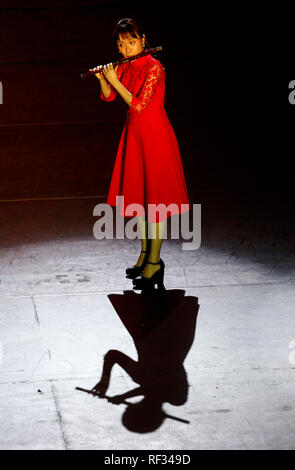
(152, 244)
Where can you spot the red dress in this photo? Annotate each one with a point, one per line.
(148, 167)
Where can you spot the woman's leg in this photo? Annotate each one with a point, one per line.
(143, 226)
(156, 234)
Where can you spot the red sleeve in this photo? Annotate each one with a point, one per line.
(113, 93)
(140, 102)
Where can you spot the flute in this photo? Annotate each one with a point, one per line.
(122, 61)
(124, 402)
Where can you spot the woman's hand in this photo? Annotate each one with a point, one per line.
(99, 74)
(100, 389)
(107, 72)
(110, 73)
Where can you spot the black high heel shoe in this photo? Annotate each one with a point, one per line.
(147, 284)
(135, 271)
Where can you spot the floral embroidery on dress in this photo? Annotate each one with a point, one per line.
(140, 102)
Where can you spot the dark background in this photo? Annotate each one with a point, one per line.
(227, 75)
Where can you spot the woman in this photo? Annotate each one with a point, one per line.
(148, 168)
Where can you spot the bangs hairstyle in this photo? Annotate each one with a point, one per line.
(128, 25)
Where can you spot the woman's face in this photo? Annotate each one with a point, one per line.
(130, 46)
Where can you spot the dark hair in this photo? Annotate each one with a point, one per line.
(128, 25)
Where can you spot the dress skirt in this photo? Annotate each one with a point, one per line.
(148, 169)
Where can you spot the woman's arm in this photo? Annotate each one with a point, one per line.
(117, 399)
(105, 88)
(107, 93)
(140, 102)
(123, 92)
(111, 76)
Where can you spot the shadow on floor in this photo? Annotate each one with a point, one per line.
(163, 329)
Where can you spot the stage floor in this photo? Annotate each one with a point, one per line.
(225, 326)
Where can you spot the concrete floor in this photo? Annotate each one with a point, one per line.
(215, 353)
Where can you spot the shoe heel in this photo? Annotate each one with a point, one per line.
(160, 282)
(147, 285)
(157, 280)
